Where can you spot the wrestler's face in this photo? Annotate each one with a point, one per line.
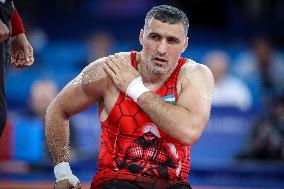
(162, 44)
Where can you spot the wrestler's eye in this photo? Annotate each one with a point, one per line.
(155, 37)
(173, 40)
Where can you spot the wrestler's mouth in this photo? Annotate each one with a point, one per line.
(160, 61)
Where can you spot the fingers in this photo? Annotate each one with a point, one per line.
(123, 64)
(119, 62)
(78, 186)
(16, 59)
(108, 69)
(22, 57)
(65, 184)
(26, 55)
(29, 55)
(120, 59)
(112, 64)
(21, 51)
(116, 66)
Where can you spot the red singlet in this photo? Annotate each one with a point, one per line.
(134, 149)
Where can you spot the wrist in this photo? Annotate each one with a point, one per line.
(136, 88)
(61, 170)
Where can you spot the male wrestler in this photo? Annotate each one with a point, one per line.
(153, 106)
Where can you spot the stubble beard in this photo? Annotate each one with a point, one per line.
(156, 69)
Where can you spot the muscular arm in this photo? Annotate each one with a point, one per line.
(186, 120)
(85, 90)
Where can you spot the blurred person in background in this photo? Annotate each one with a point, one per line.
(99, 45)
(266, 141)
(24, 135)
(29, 123)
(229, 91)
(14, 48)
(153, 106)
(41, 94)
(262, 67)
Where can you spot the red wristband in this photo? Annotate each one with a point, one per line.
(17, 24)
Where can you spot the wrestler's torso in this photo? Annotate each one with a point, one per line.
(132, 143)
(112, 93)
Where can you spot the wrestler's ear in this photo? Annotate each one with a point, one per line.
(186, 42)
(141, 35)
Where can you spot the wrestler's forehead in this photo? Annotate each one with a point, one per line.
(166, 29)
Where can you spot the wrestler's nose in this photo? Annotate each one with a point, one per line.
(162, 48)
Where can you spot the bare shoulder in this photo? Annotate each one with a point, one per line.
(197, 76)
(95, 72)
(91, 73)
(125, 55)
(192, 70)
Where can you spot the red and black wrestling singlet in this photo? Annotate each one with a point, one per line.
(132, 145)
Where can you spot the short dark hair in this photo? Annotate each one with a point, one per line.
(167, 14)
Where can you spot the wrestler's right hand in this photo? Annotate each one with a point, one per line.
(4, 31)
(65, 184)
(65, 178)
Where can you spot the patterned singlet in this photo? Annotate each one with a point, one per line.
(134, 149)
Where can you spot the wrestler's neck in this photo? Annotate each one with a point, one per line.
(147, 75)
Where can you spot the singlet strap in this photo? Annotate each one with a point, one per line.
(174, 76)
(133, 59)
(172, 80)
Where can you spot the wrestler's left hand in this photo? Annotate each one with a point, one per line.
(120, 71)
